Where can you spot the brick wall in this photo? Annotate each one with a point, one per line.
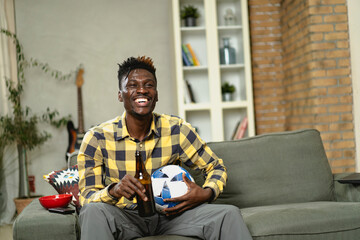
(301, 72)
(266, 47)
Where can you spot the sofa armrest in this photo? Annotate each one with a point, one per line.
(35, 222)
(345, 192)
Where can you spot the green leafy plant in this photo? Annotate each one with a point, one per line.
(22, 127)
(227, 88)
(189, 11)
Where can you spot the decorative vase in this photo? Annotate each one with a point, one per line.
(24, 189)
(227, 97)
(227, 53)
(3, 192)
(21, 203)
(190, 22)
(229, 17)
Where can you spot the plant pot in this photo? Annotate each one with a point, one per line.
(21, 203)
(227, 97)
(190, 22)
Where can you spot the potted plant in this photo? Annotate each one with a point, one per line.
(3, 194)
(189, 13)
(22, 127)
(227, 91)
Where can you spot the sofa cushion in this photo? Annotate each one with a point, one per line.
(277, 168)
(316, 219)
(65, 182)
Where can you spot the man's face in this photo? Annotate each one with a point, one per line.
(139, 93)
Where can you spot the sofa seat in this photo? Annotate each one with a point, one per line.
(35, 222)
(315, 220)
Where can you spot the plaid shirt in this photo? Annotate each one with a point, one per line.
(107, 154)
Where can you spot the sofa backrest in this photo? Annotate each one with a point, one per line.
(276, 168)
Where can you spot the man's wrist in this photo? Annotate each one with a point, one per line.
(212, 194)
(111, 191)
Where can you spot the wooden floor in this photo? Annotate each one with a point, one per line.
(6, 232)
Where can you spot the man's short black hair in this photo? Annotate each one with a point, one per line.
(134, 63)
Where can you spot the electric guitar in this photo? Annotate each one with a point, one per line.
(76, 135)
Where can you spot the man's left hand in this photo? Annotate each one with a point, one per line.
(194, 197)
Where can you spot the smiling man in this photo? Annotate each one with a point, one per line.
(106, 165)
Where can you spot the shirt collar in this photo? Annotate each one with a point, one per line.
(122, 131)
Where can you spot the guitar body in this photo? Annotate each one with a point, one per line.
(76, 135)
(72, 137)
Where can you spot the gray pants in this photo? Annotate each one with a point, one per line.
(207, 221)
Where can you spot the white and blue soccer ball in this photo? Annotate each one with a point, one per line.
(167, 182)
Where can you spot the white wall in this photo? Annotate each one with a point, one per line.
(354, 27)
(97, 34)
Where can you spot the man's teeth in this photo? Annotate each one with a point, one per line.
(141, 100)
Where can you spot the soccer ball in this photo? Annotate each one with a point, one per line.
(167, 182)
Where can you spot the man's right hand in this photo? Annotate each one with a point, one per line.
(128, 187)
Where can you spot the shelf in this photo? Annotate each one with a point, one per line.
(232, 66)
(194, 68)
(196, 106)
(234, 104)
(226, 1)
(233, 27)
(213, 118)
(193, 29)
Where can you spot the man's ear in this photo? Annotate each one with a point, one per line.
(120, 96)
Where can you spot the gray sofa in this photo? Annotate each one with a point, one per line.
(282, 182)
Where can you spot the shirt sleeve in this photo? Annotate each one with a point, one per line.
(195, 153)
(90, 166)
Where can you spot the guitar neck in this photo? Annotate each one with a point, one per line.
(80, 111)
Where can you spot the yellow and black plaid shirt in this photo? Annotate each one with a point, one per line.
(107, 154)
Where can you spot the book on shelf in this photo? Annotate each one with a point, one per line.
(192, 96)
(187, 55)
(188, 93)
(233, 135)
(186, 61)
(187, 98)
(193, 55)
(240, 129)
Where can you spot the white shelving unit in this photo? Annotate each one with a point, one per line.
(214, 118)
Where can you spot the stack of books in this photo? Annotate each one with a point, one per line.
(189, 56)
(239, 131)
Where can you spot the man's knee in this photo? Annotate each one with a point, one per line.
(226, 209)
(227, 212)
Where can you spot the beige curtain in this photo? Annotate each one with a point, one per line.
(8, 70)
(7, 51)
